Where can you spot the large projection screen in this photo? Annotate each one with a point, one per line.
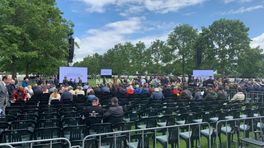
(203, 74)
(73, 73)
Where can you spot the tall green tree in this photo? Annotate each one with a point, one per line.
(33, 36)
(224, 41)
(138, 58)
(156, 56)
(251, 63)
(182, 41)
(92, 62)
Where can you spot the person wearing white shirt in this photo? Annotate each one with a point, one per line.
(239, 96)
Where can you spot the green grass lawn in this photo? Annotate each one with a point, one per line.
(92, 82)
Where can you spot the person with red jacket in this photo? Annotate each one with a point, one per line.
(130, 90)
(175, 91)
(20, 94)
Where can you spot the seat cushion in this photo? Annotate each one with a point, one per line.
(126, 119)
(207, 132)
(198, 120)
(105, 146)
(132, 144)
(214, 119)
(255, 115)
(229, 117)
(142, 126)
(161, 124)
(162, 139)
(260, 125)
(243, 116)
(226, 129)
(244, 127)
(180, 122)
(186, 135)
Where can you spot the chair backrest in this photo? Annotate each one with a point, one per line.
(47, 133)
(16, 136)
(48, 123)
(75, 132)
(101, 128)
(109, 141)
(23, 125)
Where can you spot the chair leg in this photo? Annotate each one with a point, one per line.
(208, 143)
(192, 143)
(228, 140)
(220, 141)
(247, 133)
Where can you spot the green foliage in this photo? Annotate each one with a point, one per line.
(251, 63)
(182, 42)
(33, 36)
(224, 41)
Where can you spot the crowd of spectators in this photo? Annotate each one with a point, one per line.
(156, 87)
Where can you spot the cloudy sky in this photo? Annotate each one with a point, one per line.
(100, 24)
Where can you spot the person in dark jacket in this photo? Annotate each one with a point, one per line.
(115, 112)
(66, 95)
(157, 94)
(95, 110)
(94, 113)
(210, 94)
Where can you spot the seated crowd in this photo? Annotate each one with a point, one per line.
(156, 88)
(147, 91)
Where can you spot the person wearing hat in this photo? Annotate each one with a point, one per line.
(157, 94)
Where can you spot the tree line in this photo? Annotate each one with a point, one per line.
(223, 46)
(33, 37)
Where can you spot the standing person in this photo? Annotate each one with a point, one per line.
(4, 97)
(80, 83)
(65, 81)
(11, 88)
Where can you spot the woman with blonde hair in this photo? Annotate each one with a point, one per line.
(54, 96)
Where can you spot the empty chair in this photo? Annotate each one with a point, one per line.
(118, 141)
(75, 134)
(16, 136)
(23, 124)
(171, 136)
(47, 133)
(191, 135)
(48, 123)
